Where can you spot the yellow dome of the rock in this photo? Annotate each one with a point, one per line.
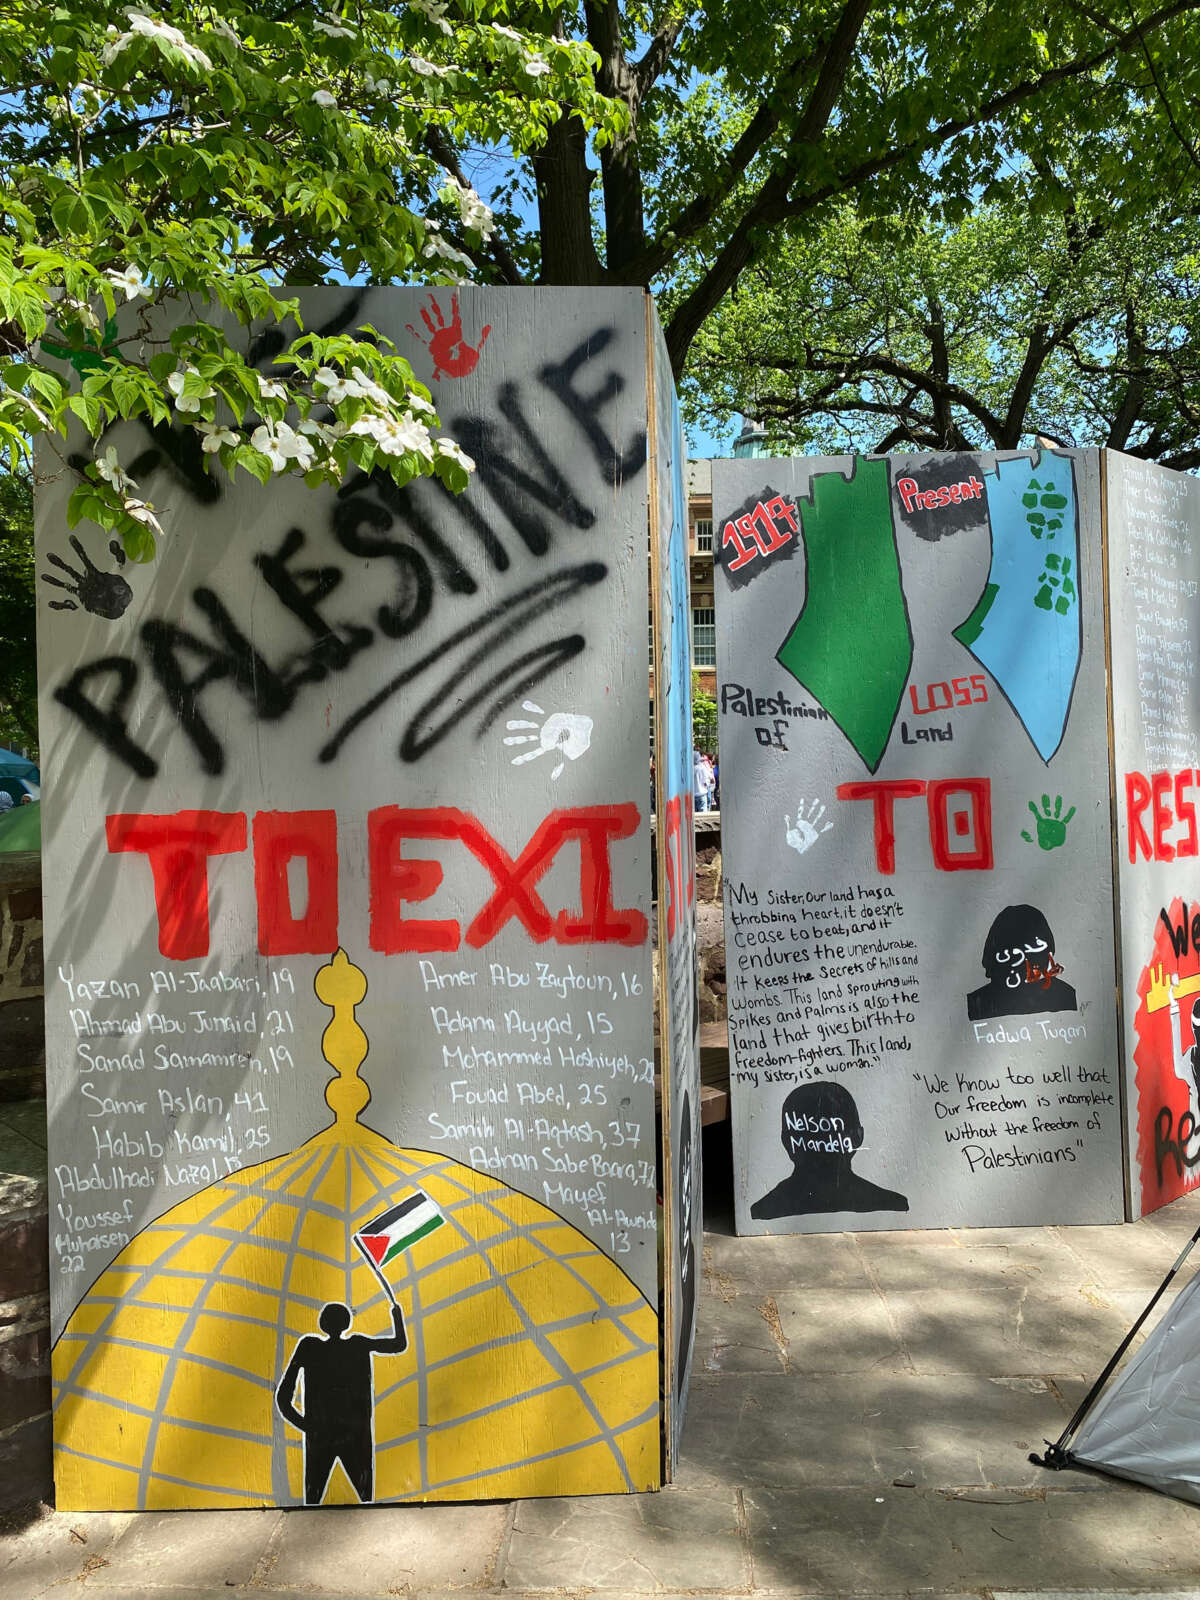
(531, 1369)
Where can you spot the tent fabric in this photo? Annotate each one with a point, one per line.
(21, 828)
(1146, 1426)
(17, 775)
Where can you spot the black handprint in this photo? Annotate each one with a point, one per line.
(104, 594)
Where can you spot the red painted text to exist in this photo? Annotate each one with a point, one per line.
(180, 846)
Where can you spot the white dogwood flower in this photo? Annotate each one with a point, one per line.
(435, 245)
(435, 12)
(281, 444)
(141, 511)
(473, 213)
(333, 26)
(324, 99)
(161, 32)
(112, 472)
(398, 435)
(268, 389)
(336, 386)
(188, 402)
(535, 64)
(215, 435)
(427, 69)
(130, 279)
(448, 447)
(368, 389)
(508, 33)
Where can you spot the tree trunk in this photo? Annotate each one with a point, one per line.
(564, 183)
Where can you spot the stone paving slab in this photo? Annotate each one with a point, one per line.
(850, 1330)
(742, 1334)
(386, 1549)
(47, 1548)
(853, 1541)
(1107, 1259)
(671, 1540)
(776, 1264)
(933, 1431)
(1012, 1332)
(217, 1548)
(990, 1257)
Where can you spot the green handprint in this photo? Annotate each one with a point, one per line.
(1051, 824)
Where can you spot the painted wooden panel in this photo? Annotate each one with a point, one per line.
(679, 1025)
(347, 894)
(1154, 563)
(916, 837)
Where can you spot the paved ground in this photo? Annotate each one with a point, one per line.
(861, 1415)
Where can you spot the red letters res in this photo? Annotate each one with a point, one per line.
(1156, 794)
(975, 817)
(178, 847)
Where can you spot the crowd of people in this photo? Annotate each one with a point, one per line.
(706, 782)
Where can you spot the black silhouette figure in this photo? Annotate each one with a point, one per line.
(821, 1131)
(687, 1245)
(1018, 957)
(104, 594)
(339, 1400)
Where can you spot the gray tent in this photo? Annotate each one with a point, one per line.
(1146, 1424)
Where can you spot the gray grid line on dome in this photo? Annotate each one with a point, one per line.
(474, 1250)
(522, 1230)
(578, 1319)
(553, 1360)
(286, 1171)
(262, 1191)
(235, 1195)
(648, 1415)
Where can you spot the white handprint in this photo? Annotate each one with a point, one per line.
(807, 830)
(564, 732)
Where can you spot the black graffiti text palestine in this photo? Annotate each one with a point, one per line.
(480, 666)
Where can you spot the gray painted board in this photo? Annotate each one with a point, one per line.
(414, 727)
(1154, 560)
(920, 949)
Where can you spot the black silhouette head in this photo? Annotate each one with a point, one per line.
(334, 1319)
(1014, 930)
(820, 1119)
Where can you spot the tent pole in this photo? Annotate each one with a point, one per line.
(1058, 1455)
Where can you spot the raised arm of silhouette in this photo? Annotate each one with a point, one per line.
(394, 1343)
(339, 1399)
(821, 1132)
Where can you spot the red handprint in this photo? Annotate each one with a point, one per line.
(452, 356)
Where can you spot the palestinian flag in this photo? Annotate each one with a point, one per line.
(385, 1236)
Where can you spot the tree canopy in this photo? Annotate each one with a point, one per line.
(209, 152)
(212, 152)
(1039, 315)
(746, 122)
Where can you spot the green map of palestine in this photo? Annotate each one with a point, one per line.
(851, 646)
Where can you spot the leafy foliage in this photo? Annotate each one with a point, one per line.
(215, 152)
(18, 674)
(750, 124)
(704, 717)
(1017, 322)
